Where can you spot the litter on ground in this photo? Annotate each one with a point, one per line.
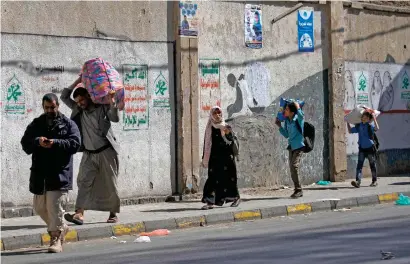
(342, 210)
(142, 239)
(403, 200)
(323, 183)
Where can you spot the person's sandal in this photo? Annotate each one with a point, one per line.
(72, 219)
(112, 220)
(236, 202)
(207, 207)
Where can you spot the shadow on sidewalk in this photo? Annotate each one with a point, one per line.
(19, 227)
(262, 198)
(24, 252)
(174, 210)
(400, 183)
(328, 188)
(244, 200)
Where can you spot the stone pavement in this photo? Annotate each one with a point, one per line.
(263, 203)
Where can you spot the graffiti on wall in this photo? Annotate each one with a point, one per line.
(384, 87)
(136, 112)
(14, 97)
(405, 89)
(160, 94)
(362, 88)
(252, 91)
(209, 85)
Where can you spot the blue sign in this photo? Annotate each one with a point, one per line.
(305, 31)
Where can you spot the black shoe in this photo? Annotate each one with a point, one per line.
(297, 194)
(374, 184)
(356, 184)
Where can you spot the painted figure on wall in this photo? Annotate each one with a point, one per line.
(240, 106)
(348, 104)
(252, 91)
(376, 90)
(350, 94)
(387, 94)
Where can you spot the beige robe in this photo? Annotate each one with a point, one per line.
(98, 174)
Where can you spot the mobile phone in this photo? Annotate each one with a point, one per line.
(47, 141)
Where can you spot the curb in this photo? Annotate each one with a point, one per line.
(36, 240)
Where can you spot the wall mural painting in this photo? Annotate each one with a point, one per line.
(252, 91)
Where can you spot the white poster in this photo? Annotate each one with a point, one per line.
(362, 87)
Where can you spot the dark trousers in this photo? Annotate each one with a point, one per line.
(371, 156)
(294, 161)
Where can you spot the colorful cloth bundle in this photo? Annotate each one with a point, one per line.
(99, 78)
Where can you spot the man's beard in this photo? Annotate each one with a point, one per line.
(51, 115)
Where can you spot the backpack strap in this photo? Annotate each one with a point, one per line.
(299, 127)
(370, 132)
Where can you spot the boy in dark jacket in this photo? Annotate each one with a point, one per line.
(52, 139)
(367, 148)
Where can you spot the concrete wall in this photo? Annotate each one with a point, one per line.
(54, 34)
(147, 156)
(277, 70)
(372, 36)
(132, 20)
(377, 46)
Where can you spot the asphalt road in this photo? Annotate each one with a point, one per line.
(355, 236)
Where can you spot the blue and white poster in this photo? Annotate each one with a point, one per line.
(305, 31)
(253, 26)
(189, 23)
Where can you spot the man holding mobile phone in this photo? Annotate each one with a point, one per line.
(52, 139)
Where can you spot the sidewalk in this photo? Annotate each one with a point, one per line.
(263, 203)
